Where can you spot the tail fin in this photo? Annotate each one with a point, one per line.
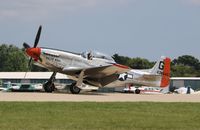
(162, 67)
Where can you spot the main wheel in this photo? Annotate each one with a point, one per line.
(137, 91)
(49, 87)
(74, 89)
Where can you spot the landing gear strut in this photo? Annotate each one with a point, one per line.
(74, 89)
(49, 85)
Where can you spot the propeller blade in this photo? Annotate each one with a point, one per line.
(29, 63)
(37, 38)
(26, 46)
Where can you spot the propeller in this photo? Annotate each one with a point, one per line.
(37, 38)
(27, 46)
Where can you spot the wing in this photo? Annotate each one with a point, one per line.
(98, 72)
(98, 76)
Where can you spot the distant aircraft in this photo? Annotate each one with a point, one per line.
(158, 76)
(91, 68)
(143, 90)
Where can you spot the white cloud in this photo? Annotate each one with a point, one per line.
(31, 9)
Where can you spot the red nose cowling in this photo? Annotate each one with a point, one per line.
(34, 52)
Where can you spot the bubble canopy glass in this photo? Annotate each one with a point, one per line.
(96, 54)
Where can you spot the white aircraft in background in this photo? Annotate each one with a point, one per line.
(91, 68)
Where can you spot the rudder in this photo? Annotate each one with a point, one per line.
(166, 73)
(162, 67)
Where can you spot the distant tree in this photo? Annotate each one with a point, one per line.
(12, 59)
(135, 63)
(183, 71)
(185, 66)
(139, 63)
(187, 60)
(124, 60)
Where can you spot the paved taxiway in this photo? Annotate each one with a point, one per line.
(96, 97)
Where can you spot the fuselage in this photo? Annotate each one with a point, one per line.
(64, 62)
(58, 60)
(137, 77)
(157, 76)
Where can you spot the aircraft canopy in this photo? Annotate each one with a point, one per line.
(96, 54)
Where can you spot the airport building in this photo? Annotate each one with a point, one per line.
(31, 77)
(42, 77)
(177, 82)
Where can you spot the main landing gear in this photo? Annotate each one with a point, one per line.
(49, 86)
(74, 89)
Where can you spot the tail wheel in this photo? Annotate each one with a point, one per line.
(137, 91)
(49, 87)
(74, 89)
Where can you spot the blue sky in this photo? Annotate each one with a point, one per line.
(134, 28)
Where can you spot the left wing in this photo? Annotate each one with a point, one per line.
(98, 76)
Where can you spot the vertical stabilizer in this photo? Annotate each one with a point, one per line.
(162, 67)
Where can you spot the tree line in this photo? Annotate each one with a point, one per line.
(183, 66)
(13, 59)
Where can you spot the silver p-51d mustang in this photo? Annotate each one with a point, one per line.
(91, 68)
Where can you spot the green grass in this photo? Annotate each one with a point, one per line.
(91, 116)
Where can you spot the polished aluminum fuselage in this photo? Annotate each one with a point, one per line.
(58, 60)
(137, 77)
(63, 61)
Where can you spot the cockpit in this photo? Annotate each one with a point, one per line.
(94, 54)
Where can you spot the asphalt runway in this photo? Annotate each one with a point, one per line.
(96, 97)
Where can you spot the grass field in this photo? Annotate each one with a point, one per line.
(91, 116)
